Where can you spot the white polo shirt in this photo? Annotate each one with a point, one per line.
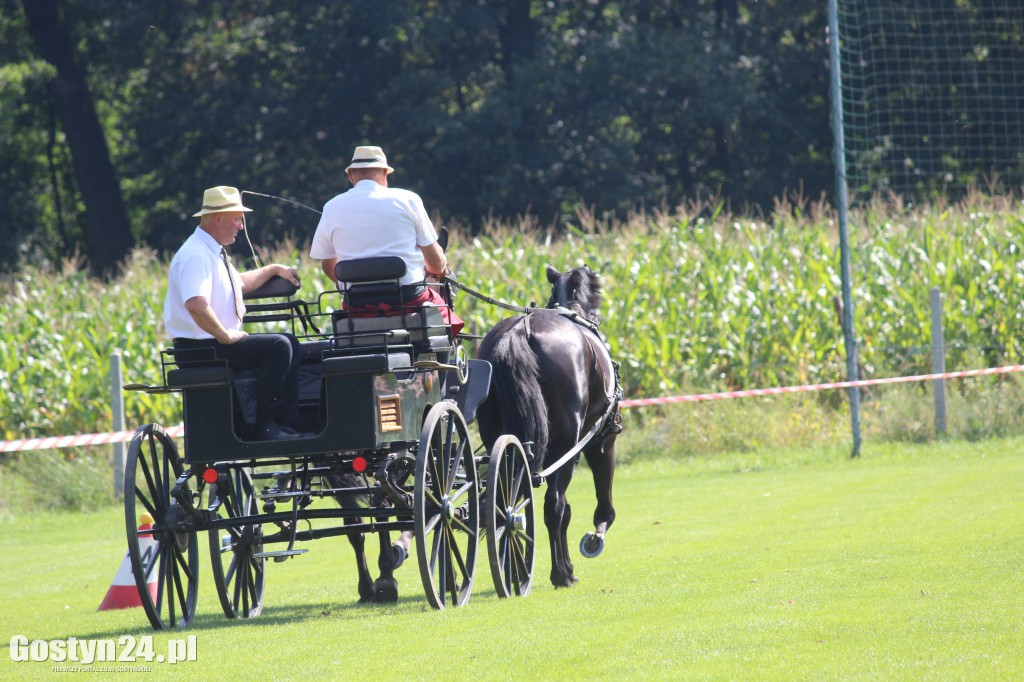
(198, 270)
(370, 220)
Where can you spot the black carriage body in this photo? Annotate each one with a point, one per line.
(372, 402)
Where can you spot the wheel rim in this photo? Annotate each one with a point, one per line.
(447, 510)
(509, 514)
(168, 550)
(237, 573)
(462, 363)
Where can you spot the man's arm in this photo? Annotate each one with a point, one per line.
(254, 279)
(327, 265)
(199, 308)
(434, 259)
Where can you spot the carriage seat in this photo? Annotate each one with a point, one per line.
(186, 377)
(374, 282)
(375, 307)
(200, 368)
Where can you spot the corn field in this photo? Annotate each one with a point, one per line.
(695, 300)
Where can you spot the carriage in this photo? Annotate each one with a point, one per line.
(388, 400)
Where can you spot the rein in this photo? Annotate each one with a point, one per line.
(528, 310)
(607, 420)
(598, 427)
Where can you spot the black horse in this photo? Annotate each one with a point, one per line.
(554, 381)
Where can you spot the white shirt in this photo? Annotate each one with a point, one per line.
(198, 270)
(371, 220)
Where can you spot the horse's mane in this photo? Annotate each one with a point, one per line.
(587, 286)
(585, 294)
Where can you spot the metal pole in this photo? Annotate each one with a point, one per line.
(839, 144)
(117, 411)
(938, 361)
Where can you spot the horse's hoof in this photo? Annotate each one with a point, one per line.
(398, 555)
(365, 592)
(385, 591)
(591, 545)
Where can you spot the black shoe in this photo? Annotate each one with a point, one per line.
(274, 432)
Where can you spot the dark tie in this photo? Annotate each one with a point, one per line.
(236, 286)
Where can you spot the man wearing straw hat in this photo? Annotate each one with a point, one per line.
(204, 310)
(372, 219)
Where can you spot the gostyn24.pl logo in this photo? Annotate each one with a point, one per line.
(125, 649)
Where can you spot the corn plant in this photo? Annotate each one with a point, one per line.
(695, 300)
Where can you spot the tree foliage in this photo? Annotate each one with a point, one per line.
(487, 109)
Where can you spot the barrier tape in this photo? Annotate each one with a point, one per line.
(750, 393)
(55, 442)
(179, 430)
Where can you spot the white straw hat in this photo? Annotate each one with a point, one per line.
(370, 157)
(221, 199)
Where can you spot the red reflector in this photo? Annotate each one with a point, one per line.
(210, 475)
(359, 465)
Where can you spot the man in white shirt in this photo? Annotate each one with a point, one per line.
(372, 219)
(204, 310)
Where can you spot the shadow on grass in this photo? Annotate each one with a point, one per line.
(283, 615)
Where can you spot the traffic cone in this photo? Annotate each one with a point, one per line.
(123, 594)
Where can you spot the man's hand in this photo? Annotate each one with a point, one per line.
(254, 279)
(232, 336)
(290, 274)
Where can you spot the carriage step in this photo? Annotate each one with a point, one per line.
(284, 495)
(280, 553)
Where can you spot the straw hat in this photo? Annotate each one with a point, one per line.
(221, 199)
(369, 157)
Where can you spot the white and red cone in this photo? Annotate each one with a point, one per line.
(123, 594)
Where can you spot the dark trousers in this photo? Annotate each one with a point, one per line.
(275, 357)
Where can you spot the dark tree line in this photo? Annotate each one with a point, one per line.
(485, 108)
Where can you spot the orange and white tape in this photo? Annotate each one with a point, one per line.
(178, 431)
(754, 392)
(55, 442)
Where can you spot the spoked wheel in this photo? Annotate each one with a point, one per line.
(237, 571)
(163, 551)
(508, 513)
(447, 507)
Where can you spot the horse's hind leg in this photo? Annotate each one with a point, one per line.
(358, 542)
(392, 555)
(557, 514)
(601, 459)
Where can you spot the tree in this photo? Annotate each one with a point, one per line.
(108, 234)
(487, 109)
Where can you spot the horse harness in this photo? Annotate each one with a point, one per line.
(611, 421)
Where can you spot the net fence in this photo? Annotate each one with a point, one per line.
(933, 95)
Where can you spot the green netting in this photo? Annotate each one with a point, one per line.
(933, 95)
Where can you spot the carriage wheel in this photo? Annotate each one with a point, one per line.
(508, 512)
(168, 549)
(238, 573)
(447, 507)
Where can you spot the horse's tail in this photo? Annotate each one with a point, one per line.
(517, 381)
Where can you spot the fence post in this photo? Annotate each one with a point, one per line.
(842, 216)
(117, 411)
(938, 362)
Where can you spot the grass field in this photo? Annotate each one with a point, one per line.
(904, 564)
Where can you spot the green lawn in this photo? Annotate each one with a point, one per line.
(905, 564)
